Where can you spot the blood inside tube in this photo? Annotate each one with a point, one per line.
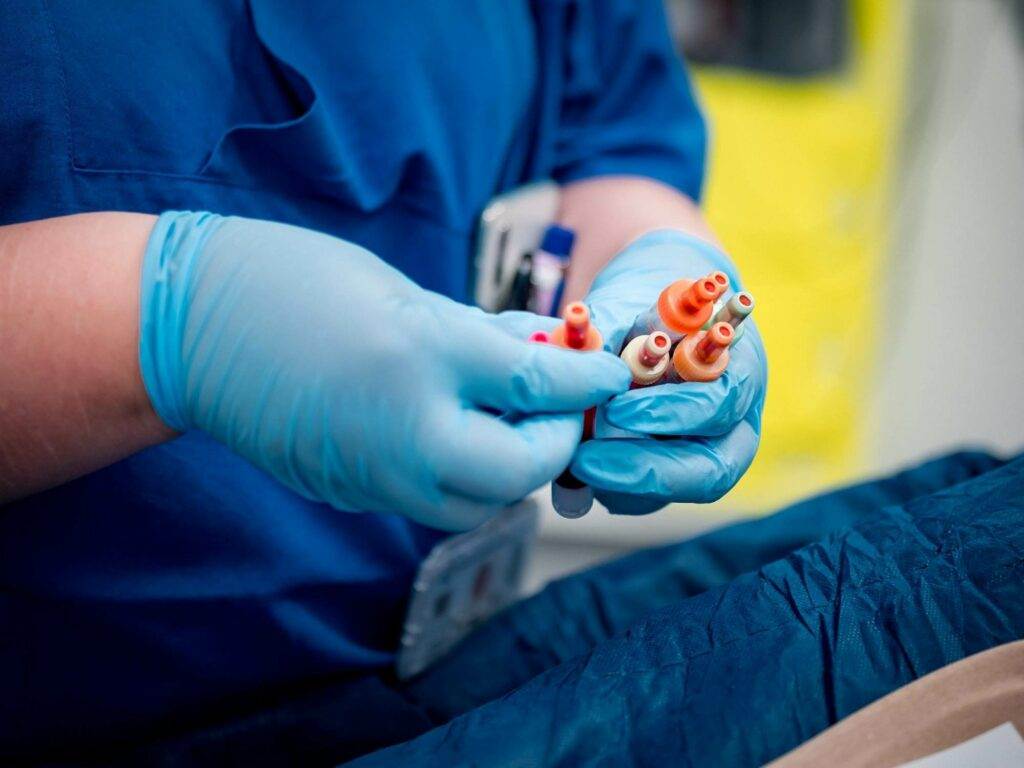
(577, 321)
(715, 341)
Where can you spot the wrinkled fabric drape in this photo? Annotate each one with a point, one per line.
(742, 672)
(729, 648)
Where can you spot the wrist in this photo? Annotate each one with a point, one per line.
(172, 255)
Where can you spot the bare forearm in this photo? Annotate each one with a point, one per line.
(609, 211)
(71, 396)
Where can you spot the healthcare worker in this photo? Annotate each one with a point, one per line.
(242, 392)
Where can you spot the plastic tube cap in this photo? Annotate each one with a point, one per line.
(577, 332)
(689, 367)
(685, 305)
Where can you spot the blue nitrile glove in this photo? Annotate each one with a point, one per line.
(707, 432)
(329, 369)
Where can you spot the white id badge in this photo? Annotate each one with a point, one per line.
(464, 581)
(511, 226)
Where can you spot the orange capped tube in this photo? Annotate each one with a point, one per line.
(570, 497)
(682, 308)
(648, 358)
(577, 332)
(702, 356)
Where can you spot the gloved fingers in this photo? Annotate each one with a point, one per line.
(691, 469)
(451, 512)
(696, 408)
(414, 493)
(498, 461)
(627, 504)
(508, 374)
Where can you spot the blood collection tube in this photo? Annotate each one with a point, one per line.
(702, 356)
(682, 308)
(734, 312)
(570, 497)
(647, 358)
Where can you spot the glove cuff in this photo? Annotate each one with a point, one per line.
(170, 259)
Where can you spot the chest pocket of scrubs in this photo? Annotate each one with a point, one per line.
(152, 87)
(355, 102)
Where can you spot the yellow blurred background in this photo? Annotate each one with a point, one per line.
(799, 190)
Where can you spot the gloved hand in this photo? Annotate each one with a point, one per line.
(329, 369)
(707, 432)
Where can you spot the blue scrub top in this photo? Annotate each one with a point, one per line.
(182, 578)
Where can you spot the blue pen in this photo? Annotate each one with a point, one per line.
(547, 277)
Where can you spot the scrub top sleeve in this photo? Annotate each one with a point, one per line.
(628, 106)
